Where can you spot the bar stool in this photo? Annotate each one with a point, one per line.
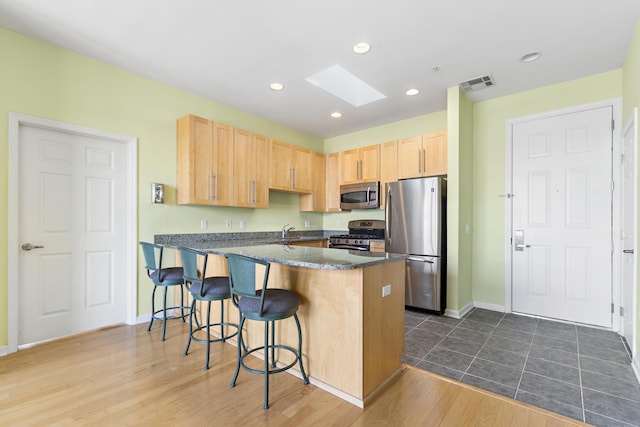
(264, 305)
(203, 288)
(165, 278)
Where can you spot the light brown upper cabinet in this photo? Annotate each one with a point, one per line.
(290, 167)
(332, 168)
(251, 169)
(315, 202)
(424, 155)
(205, 162)
(360, 164)
(388, 168)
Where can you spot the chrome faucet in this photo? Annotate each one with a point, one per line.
(285, 229)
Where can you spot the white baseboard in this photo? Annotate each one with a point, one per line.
(487, 306)
(145, 318)
(635, 364)
(458, 314)
(4, 350)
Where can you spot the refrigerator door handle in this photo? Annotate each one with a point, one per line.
(388, 218)
(412, 258)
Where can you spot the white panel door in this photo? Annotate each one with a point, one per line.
(71, 204)
(562, 206)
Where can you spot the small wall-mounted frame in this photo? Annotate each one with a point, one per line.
(157, 193)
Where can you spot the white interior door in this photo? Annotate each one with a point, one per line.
(562, 210)
(627, 234)
(72, 204)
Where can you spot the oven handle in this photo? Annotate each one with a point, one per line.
(355, 248)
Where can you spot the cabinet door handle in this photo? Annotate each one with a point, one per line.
(210, 186)
(294, 178)
(255, 191)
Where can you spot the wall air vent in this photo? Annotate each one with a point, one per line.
(478, 83)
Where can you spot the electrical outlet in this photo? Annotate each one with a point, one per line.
(307, 223)
(228, 224)
(242, 223)
(386, 290)
(203, 224)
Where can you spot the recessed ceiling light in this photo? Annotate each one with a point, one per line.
(336, 114)
(361, 47)
(530, 57)
(276, 86)
(412, 92)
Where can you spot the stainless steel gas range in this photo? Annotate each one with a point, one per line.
(362, 233)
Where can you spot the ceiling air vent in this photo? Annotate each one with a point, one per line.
(478, 83)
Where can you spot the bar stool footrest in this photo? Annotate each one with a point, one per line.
(223, 338)
(275, 370)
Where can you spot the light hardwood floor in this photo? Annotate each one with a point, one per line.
(127, 376)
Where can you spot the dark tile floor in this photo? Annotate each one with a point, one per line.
(580, 372)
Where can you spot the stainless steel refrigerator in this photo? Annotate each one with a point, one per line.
(416, 225)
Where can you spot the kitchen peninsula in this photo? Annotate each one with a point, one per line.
(353, 336)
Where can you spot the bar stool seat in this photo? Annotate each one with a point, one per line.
(265, 305)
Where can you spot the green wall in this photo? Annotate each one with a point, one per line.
(459, 201)
(41, 80)
(489, 139)
(631, 100)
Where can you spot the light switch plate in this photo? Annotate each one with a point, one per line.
(157, 193)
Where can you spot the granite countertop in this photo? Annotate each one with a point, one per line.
(270, 247)
(226, 240)
(304, 256)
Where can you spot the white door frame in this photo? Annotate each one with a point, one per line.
(616, 103)
(632, 126)
(13, 250)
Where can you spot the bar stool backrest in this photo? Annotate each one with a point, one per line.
(242, 278)
(153, 260)
(190, 265)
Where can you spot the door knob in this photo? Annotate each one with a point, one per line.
(29, 246)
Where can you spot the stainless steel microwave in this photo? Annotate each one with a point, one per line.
(364, 195)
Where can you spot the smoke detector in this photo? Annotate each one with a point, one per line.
(478, 83)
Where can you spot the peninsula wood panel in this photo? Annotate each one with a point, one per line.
(352, 337)
(383, 323)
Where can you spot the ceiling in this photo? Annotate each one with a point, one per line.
(230, 51)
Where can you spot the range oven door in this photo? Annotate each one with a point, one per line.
(350, 247)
